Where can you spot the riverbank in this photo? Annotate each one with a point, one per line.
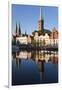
(16, 48)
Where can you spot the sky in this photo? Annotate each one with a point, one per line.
(28, 16)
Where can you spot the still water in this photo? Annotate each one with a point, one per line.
(34, 67)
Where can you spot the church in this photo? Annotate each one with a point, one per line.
(45, 36)
(22, 38)
(40, 37)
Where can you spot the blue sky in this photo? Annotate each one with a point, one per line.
(28, 16)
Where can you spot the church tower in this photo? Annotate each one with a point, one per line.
(17, 31)
(40, 22)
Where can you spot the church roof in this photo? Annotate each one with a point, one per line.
(42, 32)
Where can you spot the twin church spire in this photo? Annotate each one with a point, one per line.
(18, 30)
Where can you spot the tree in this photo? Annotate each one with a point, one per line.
(44, 43)
(14, 41)
(41, 42)
(34, 42)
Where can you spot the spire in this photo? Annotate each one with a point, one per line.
(25, 32)
(41, 21)
(41, 14)
(19, 29)
(16, 29)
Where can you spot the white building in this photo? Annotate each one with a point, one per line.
(42, 38)
(22, 39)
(36, 37)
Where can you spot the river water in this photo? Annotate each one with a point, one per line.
(34, 67)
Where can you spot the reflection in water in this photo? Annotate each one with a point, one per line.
(34, 67)
(23, 55)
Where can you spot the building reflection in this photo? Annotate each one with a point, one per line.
(39, 57)
(41, 68)
(46, 56)
(23, 55)
(18, 63)
(54, 58)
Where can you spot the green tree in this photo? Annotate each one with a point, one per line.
(41, 42)
(44, 43)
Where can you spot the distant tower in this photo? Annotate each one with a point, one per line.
(25, 32)
(17, 31)
(40, 22)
